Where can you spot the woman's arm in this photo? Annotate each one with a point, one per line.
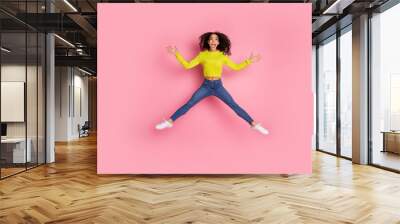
(188, 65)
(231, 64)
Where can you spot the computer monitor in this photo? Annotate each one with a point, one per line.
(3, 129)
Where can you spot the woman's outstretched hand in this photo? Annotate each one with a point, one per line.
(254, 58)
(172, 49)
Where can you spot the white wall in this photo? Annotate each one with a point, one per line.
(71, 92)
(81, 89)
(62, 82)
(16, 72)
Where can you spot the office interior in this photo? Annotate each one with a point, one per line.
(49, 91)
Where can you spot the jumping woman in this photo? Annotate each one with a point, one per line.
(215, 48)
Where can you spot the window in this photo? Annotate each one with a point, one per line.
(327, 95)
(346, 92)
(385, 89)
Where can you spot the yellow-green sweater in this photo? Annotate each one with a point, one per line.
(212, 62)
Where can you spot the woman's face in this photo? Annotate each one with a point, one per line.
(213, 41)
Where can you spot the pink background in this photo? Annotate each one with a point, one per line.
(139, 84)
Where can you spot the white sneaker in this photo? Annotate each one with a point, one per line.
(260, 128)
(164, 124)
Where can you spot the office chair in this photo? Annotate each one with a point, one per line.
(84, 130)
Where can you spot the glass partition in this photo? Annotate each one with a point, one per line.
(41, 91)
(14, 153)
(32, 95)
(22, 101)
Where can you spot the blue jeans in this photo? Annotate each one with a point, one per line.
(212, 87)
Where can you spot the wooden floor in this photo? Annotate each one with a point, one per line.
(69, 191)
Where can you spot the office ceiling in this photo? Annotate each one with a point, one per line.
(76, 21)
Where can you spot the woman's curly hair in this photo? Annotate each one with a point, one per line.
(224, 42)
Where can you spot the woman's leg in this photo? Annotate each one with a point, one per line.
(224, 95)
(200, 94)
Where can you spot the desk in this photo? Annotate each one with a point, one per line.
(13, 150)
(391, 141)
